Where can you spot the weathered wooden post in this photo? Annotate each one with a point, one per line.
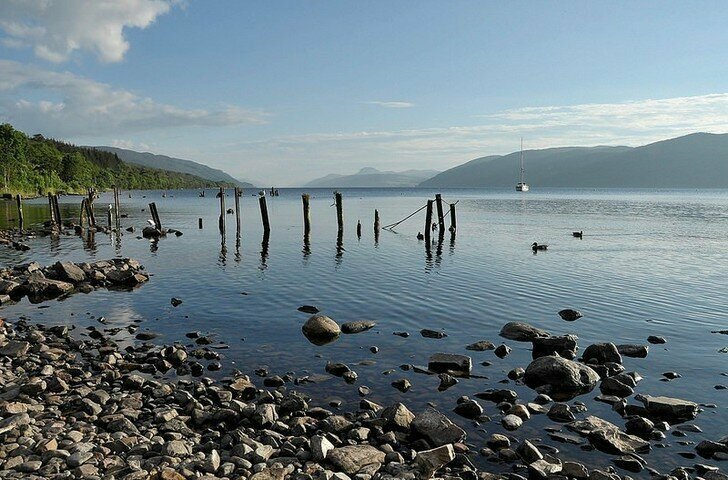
(440, 215)
(264, 216)
(108, 216)
(339, 211)
(376, 222)
(238, 194)
(54, 223)
(90, 208)
(57, 211)
(81, 214)
(358, 228)
(19, 201)
(221, 220)
(453, 221)
(428, 223)
(155, 216)
(199, 223)
(306, 213)
(117, 206)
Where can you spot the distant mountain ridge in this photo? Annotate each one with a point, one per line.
(698, 160)
(164, 162)
(371, 177)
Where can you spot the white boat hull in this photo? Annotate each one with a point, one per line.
(522, 187)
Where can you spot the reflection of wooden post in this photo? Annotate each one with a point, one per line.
(221, 220)
(264, 216)
(19, 201)
(376, 222)
(306, 214)
(440, 215)
(238, 194)
(339, 211)
(428, 223)
(453, 222)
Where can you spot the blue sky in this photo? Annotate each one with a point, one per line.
(285, 91)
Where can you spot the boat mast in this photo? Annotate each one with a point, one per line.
(521, 159)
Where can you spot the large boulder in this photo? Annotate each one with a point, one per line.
(430, 461)
(560, 378)
(320, 330)
(398, 417)
(522, 332)
(437, 428)
(38, 288)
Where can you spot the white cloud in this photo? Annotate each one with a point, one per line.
(66, 105)
(289, 158)
(392, 104)
(57, 28)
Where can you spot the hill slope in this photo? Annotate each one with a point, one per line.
(164, 162)
(698, 160)
(371, 177)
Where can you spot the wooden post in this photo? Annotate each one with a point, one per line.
(199, 223)
(117, 206)
(339, 211)
(428, 223)
(221, 220)
(155, 216)
(19, 201)
(238, 194)
(453, 222)
(440, 215)
(264, 216)
(376, 226)
(306, 213)
(358, 228)
(57, 211)
(90, 208)
(54, 222)
(108, 216)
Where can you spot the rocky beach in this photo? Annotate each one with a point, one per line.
(75, 403)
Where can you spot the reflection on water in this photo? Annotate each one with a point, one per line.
(649, 263)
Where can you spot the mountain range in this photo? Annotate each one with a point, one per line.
(698, 160)
(164, 162)
(371, 177)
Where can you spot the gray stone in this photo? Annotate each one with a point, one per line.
(607, 437)
(450, 363)
(358, 326)
(398, 417)
(481, 346)
(633, 351)
(14, 349)
(352, 458)
(430, 461)
(511, 422)
(560, 378)
(667, 408)
(437, 428)
(522, 332)
(70, 272)
(601, 353)
(320, 447)
(564, 346)
(320, 330)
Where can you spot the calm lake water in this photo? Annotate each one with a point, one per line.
(650, 263)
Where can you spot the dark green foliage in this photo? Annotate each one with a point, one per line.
(38, 165)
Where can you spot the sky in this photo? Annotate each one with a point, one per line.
(284, 91)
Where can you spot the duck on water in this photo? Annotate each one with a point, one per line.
(536, 247)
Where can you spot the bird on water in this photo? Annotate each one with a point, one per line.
(578, 234)
(536, 247)
(420, 236)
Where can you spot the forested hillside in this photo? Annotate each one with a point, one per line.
(37, 165)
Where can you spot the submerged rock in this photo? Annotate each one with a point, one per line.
(564, 346)
(601, 353)
(670, 409)
(633, 351)
(481, 346)
(427, 333)
(450, 363)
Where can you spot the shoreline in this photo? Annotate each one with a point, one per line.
(86, 406)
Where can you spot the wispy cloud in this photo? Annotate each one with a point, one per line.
(57, 28)
(391, 104)
(288, 158)
(67, 105)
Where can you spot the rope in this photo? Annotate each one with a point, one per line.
(392, 225)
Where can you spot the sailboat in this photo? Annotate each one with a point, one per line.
(522, 186)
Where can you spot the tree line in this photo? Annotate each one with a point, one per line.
(37, 165)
